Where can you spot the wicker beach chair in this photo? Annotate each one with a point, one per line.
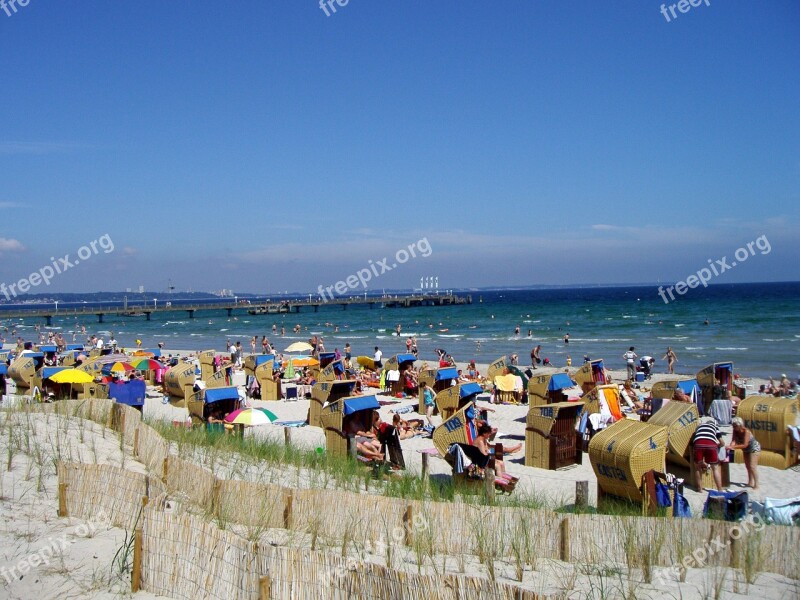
(768, 418)
(591, 374)
(179, 383)
(549, 388)
(455, 397)
(622, 453)
(337, 417)
(327, 391)
(551, 441)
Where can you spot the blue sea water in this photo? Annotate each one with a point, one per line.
(757, 326)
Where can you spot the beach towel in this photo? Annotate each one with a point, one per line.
(782, 512)
(401, 410)
(506, 383)
(662, 495)
(460, 460)
(291, 423)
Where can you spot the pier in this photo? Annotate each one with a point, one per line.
(286, 306)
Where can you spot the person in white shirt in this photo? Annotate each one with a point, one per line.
(377, 358)
(630, 362)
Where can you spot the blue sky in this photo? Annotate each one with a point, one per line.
(262, 145)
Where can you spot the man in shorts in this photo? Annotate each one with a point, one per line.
(706, 443)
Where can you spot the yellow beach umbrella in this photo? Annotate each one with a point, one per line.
(72, 376)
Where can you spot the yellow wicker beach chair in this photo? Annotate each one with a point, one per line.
(551, 441)
(722, 371)
(400, 363)
(622, 453)
(498, 367)
(339, 417)
(179, 382)
(591, 374)
(549, 388)
(768, 418)
(207, 364)
(455, 397)
(436, 379)
(330, 392)
(23, 369)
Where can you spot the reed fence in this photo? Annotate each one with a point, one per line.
(451, 528)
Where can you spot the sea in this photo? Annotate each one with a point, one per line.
(756, 326)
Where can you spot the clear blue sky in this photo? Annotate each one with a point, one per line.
(264, 146)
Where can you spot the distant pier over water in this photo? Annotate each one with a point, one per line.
(259, 308)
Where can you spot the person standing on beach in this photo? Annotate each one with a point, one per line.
(671, 359)
(630, 362)
(414, 349)
(253, 344)
(744, 440)
(377, 358)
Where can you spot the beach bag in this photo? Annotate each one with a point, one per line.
(681, 506)
(735, 504)
(662, 494)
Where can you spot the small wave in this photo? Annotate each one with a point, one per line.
(674, 337)
(450, 335)
(733, 349)
(680, 324)
(225, 329)
(692, 348)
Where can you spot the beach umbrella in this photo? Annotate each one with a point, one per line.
(300, 347)
(301, 361)
(147, 364)
(251, 416)
(117, 367)
(72, 376)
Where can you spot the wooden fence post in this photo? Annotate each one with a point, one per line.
(581, 494)
(264, 588)
(488, 485)
(136, 573)
(216, 501)
(287, 510)
(287, 437)
(136, 443)
(408, 516)
(62, 500)
(166, 470)
(563, 548)
(425, 468)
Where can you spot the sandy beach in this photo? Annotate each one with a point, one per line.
(83, 567)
